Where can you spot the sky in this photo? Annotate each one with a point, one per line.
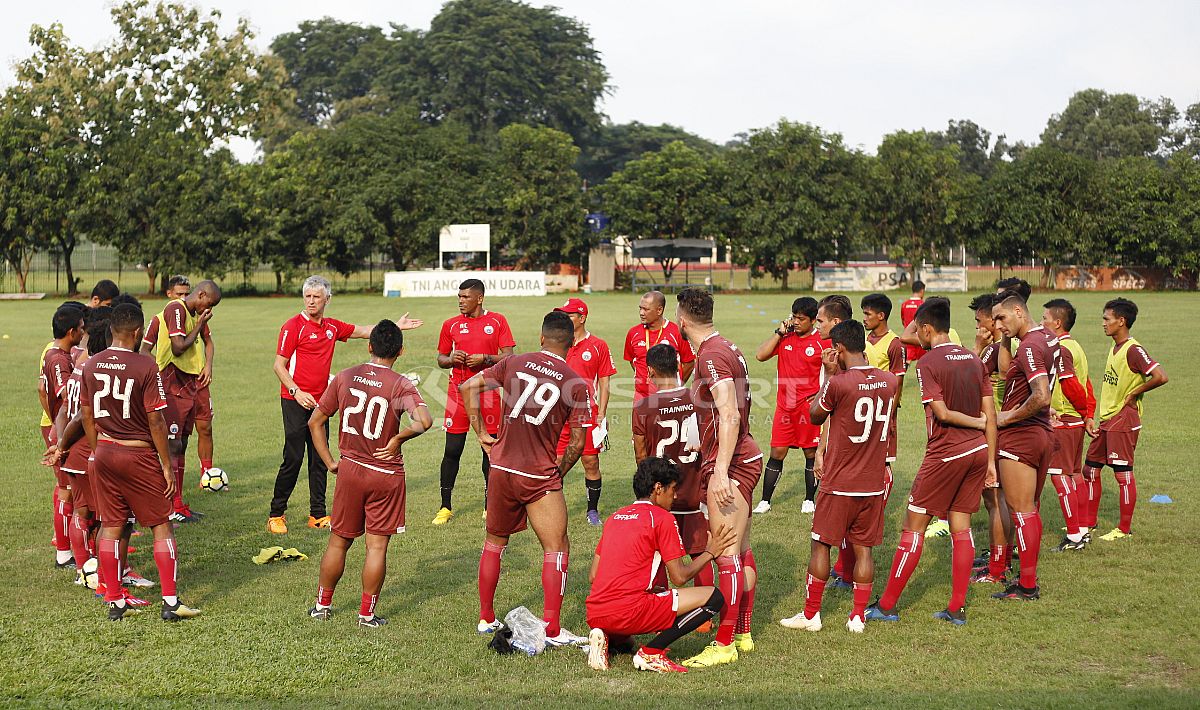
(863, 69)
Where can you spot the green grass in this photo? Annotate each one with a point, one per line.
(1112, 629)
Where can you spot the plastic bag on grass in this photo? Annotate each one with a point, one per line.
(528, 631)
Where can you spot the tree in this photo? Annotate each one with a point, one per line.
(919, 198)
(1096, 125)
(19, 237)
(670, 194)
(796, 195)
(1183, 175)
(539, 205)
(1136, 222)
(613, 145)
(328, 61)
(977, 153)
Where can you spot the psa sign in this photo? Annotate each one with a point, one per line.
(886, 277)
(417, 284)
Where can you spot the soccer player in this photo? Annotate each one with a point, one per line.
(960, 458)
(1129, 373)
(730, 469)
(179, 287)
(469, 342)
(541, 395)
(185, 369)
(103, 293)
(663, 424)
(121, 399)
(1071, 403)
(590, 358)
(1025, 442)
(798, 346)
(370, 494)
(857, 400)
(57, 364)
(636, 541)
(908, 311)
(652, 330)
(886, 352)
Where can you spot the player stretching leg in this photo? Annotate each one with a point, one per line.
(369, 496)
(858, 404)
(960, 459)
(541, 395)
(1129, 373)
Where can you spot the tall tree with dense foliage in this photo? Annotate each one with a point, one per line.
(1096, 124)
(1134, 217)
(328, 61)
(613, 145)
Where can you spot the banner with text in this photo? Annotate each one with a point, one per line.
(1120, 278)
(417, 284)
(886, 277)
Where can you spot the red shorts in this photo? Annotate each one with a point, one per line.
(75, 469)
(509, 493)
(1069, 453)
(1030, 445)
(1115, 443)
(791, 428)
(949, 484)
(457, 422)
(645, 613)
(366, 500)
(81, 491)
(856, 519)
(589, 449)
(693, 531)
(181, 391)
(129, 483)
(744, 472)
(204, 406)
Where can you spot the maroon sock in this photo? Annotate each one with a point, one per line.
(845, 562)
(554, 588)
(78, 534)
(908, 554)
(862, 597)
(732, 582)
(324, 596)
(489, 577)
(110, 566)
(167, 562)
(814, 591)
(746, 608)
(1068, 501)
(963, 553)
(62, 527)
(1126, 499)
(1029, 539)
(367, 607)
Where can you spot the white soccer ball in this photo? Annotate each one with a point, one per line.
(413, 378)
(91, 573)
(213, 480)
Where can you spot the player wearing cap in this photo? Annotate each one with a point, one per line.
(652, 330)
(590, 358)
(474, 339)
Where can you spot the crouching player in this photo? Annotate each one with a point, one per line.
(623, 602)
(858, 404)
(369, 497)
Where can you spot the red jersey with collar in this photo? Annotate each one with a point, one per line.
(638, 342)
(591, 360)
(637, 540)
(484, 335)
(308, 346)
(371, 398)
(799, 369)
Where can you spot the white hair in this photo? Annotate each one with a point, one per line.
(313, 283)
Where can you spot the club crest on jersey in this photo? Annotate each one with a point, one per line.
(587, 355)
(329, 334)
(789, 348)
(487, 329)
(810, 351)
(449, 422)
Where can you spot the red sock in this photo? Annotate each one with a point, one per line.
(845, 562)
(205, 464)
(746, 608)
(78, 534)
(862, 597)
(178, 465)
(705, 577)
(554, 588)
(814, 591)
(1068, 501)
(1126, 499)
(997, 562)
(963, 553)
(367, 607)
(1029, 538)
(110, 566)
(324, 596)
(489, 577)
(732, 581)
(1092, 492)
(1008, 555)
(166, 560)
(62, 524)
(908, 554)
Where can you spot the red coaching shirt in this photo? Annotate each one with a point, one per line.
(371, 399)
(908, 311)
(484, 335)
(1034, 358)
(308, 346)
(799, 369)
(636, 541)
(591, 360)
(860, 402)
(951, 374)
(122, 387)
(638, 342)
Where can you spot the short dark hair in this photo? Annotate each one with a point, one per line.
(935, 312)
(805, 306)
(1012, 283)
(1010, 299)
(1123, 308)
(918, 286)
(178, 280)
(558, 328)
(1063, 310)
(126, 318)
(386, 340)
(77, 304)
(850, 334)
(97, 329)
(837, 306)
(653, 470)
(983, 302)
(126, 299)
(66, 318)
(471, 285)
(663, 358)
(105, 290)
(697, 304)
(877, 302)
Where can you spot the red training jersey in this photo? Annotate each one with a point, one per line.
(952, 374)
(718, 360)
(484, 335)
(638, 342)
(664, 420)
(308, 346)
(372, 399)
(56, 370)
(908, 311)
(542, 394)
(591, 360)
(1034, 358)
(636, 541)
(122, 387)
(860, 402)
(799, 369)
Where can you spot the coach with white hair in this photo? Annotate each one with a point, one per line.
(302, 362)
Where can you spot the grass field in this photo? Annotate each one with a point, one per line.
(1112, 627)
